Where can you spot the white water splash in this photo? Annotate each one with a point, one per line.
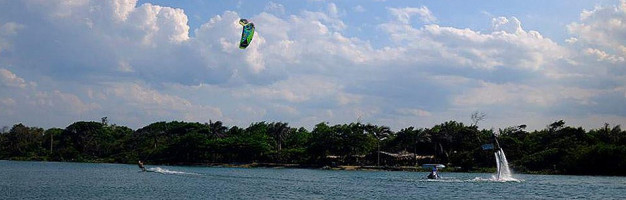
(504, 172)
(165, 171)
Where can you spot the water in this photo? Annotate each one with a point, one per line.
(52, 180)
(502, 165)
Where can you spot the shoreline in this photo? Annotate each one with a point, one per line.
(311, 166)
(282, 166)
(304, 166)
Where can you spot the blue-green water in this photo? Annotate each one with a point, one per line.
(53, 180)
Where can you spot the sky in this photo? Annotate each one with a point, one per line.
(396, 63)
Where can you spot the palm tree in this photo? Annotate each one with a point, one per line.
(380, 133)
(279, 132)
(217, 129)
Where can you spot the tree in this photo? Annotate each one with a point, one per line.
(22, 142)
(217, 129)
(279, 131)
(49, 136)
(556, 125)
(91, 140)
(477, 117)
(105, 121)
(380, 133)
(412, 140)
(324, 142)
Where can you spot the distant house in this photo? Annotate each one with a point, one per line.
(351, 159)
(403, 158)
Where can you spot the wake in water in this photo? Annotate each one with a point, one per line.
(166, 171)
(474, 180)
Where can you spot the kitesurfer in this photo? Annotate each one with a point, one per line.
(141, 166)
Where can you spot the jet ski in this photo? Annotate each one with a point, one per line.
(433, 174)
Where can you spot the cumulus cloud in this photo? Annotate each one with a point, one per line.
(8, 78)
(139, 63)
(603, 31)
(512, 25)
(301, 89)
(493, 94)
(507, 46)
(155, 103)
(404, 15)
(603, 56)
(603, 25)
(24, 101)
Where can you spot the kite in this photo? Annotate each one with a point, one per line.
(246, 34)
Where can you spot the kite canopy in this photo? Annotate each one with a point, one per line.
(246, 34)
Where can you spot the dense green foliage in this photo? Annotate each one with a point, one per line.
(556, 149)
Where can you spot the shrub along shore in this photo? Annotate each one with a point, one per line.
(557, 149)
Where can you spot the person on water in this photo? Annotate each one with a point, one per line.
(141, 166)
(433, 174)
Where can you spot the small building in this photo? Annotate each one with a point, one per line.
(403, 158)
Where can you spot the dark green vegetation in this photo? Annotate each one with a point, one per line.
(556, 149)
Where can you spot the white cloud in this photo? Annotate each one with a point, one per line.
(7, 101)
(525, 95)
(508, 46)
(251, 113)
(57, 101)
(509, 25)
(8, 78)
(275, 7)
(7, 31)
(125, 67)
(603, 56)
(404, 14)
(300, 89)
(93, 37)
(23, 101)
(359, 8)
(10, 29)
(159, 24)
(139, 64)
(414, 112)
(140, 98)
(347, 98)
(333, 11)
(603, 30)
(289, 110)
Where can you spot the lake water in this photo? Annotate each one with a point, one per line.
(54, 180)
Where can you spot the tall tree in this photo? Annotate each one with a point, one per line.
(279, 131)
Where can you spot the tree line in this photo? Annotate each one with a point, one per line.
(556, 149)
